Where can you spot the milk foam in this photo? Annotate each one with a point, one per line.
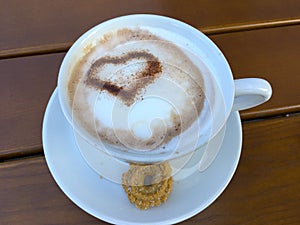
(119, 104)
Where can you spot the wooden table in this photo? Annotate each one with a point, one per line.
(259, 38)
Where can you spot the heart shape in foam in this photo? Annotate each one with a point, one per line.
(135, 83)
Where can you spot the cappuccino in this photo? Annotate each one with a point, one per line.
(136, 90)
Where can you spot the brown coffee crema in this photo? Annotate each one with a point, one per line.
(158, 62)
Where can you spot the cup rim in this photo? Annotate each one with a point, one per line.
(79, 43)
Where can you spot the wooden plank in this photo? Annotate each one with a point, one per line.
(26, 85)
(34, 197)
(272, 54)
(239, 27)
(264, 190)
(221, 29)
(36, 23)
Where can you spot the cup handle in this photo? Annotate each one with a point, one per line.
(250, 92)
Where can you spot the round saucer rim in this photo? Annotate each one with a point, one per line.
(110, 219)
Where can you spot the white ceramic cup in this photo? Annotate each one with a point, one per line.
(234, 94)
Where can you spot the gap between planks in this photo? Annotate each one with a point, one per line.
(37, 150)
(211, 30)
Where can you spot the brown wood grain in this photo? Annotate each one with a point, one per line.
(264, 190)
(210, 30)
(272, 54)
(259, 39)
(254, 25)
(27, 83)
(37, 23)
(34, 198)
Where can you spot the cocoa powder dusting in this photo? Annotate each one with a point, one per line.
(139, 81)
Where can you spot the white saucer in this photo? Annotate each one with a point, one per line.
(107, 201)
